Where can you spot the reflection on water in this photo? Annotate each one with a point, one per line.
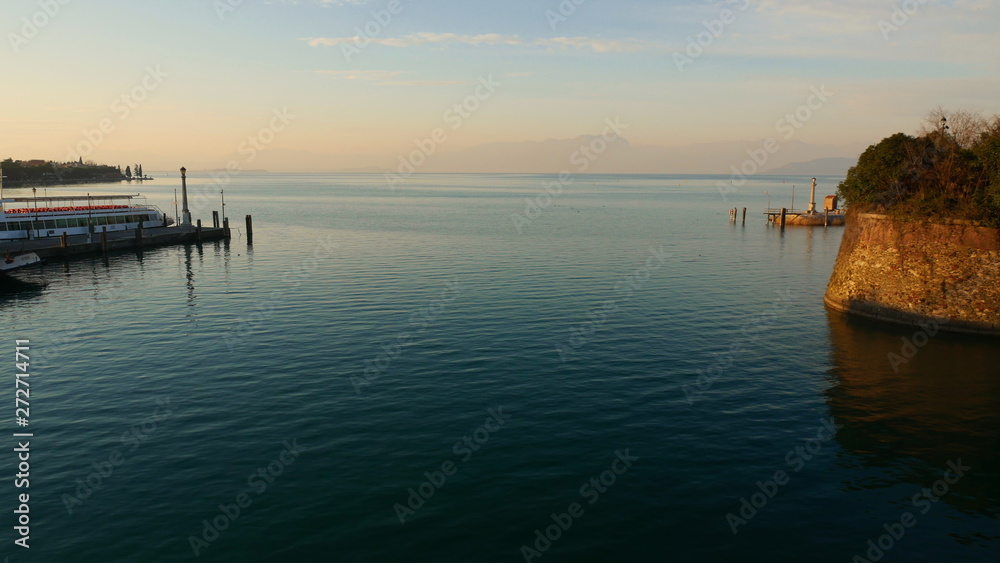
(14, 288)
(911, 404)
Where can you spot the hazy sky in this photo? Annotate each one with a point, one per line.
(211, 73)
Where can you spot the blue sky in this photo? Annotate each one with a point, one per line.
(230, 64)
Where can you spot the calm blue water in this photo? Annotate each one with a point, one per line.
(369, 341)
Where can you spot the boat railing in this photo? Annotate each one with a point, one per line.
(77, 208)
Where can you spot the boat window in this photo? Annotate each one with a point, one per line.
(49, 224)
(102, 220)
(61, 223)
(119, 219)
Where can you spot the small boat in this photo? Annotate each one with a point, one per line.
(10, 263)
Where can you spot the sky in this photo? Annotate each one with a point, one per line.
(315, 85)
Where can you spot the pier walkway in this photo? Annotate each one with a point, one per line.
(115, 240)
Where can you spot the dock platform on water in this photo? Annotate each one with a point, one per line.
(76, 245)
(834, 218)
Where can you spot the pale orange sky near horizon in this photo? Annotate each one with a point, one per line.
(208, 83)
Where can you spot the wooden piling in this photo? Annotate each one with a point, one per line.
(744, 215)
(215, 219)
(225, 228)
(783, 211)
(138, 235)
(104, 243)
(197, 230)
(249, 229)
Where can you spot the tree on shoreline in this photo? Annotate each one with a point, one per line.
(36, 172)
(951, 169)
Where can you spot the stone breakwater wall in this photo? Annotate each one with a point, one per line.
(911, 272)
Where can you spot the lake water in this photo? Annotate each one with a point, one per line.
(417, 375)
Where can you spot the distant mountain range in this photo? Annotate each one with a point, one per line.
(558, 155)
(818, 167)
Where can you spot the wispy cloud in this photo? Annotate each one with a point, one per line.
(386, 77)
(363, 74)
(596, 45)
(323, 2)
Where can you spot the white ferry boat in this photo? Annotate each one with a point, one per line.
(41, 217)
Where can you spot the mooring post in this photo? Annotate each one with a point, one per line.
(215, 219)
(826, 218)
(197, 231)
(63, 242)
(783, 211)
(249, 229)
(138, 235)
(744, 215)
(104, 243)
(225, 228)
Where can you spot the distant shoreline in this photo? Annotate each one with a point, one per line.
(58, 182)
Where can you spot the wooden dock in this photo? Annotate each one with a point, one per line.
(781, 216)
(113, 241)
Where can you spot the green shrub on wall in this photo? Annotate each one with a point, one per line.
(940, 173)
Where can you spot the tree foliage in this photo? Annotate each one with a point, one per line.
(17, 172)
(951, 172)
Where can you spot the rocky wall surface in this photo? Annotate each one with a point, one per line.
(911, 272)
